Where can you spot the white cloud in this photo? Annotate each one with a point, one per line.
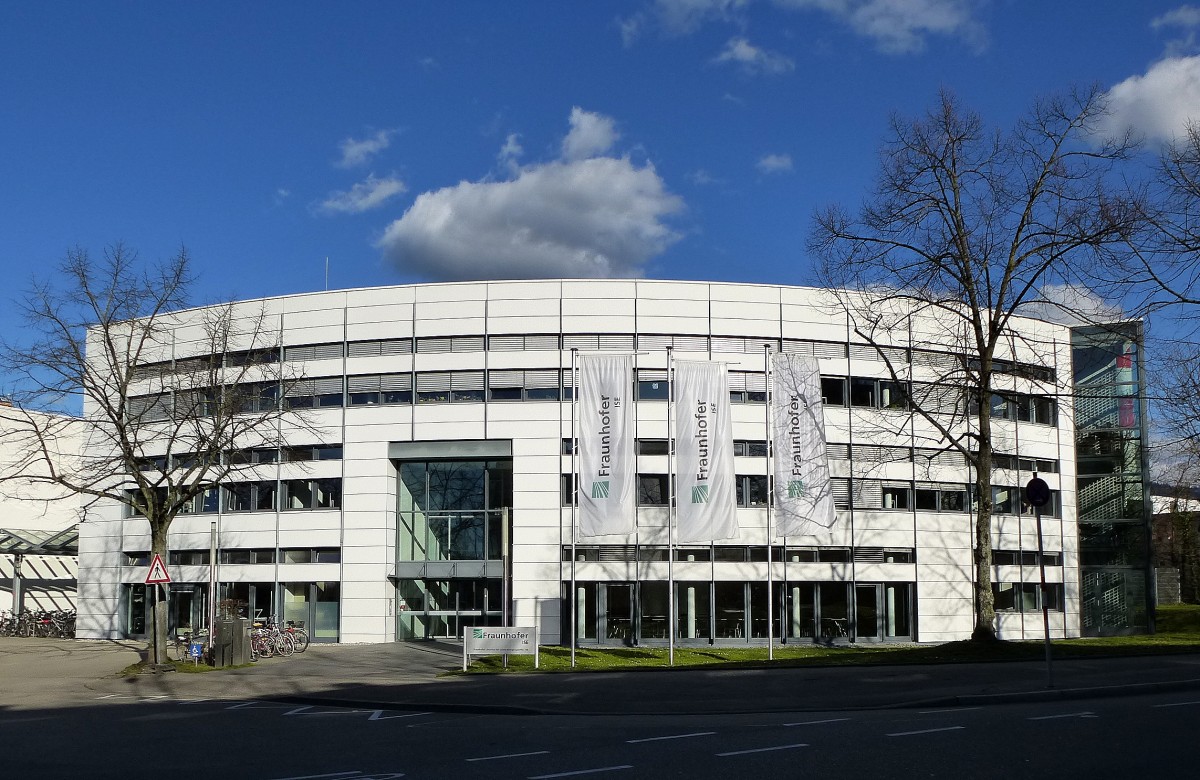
(901, 26)
(1184, 16)
(700, 177)
(1070, 304)
(774, 163)
(586, 214)
(752, 59)
(680, 17)
(359, 152)
(591, 134)
(364, 196)
(511, 152)
(1158, 104)
(896, 26)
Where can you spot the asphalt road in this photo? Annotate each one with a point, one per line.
(129, 737)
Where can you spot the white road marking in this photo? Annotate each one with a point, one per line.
(1178, 704)
(255, 705)
(924, 731)
(762, 750)
(953, 709)
(578, 772)
(509, 755)
(193, 701)
(672, 736)
(1065, 715)
(817, 722)
(317, 777)
(378, 715)
(113, 696)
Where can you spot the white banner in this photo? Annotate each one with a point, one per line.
(706, 503)
(802, 494)
(607, 471)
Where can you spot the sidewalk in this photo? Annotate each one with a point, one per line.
(404, 676)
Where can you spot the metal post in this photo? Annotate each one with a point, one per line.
(1045, 607)
(212, 584)
(505, 540)
(670, 509)
(770, 502)
(574, 495)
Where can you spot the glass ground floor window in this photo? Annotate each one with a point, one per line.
(736, 612)
(442, 608)
(187, 608)
(316, 604)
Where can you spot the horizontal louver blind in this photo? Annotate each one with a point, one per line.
(365, 383)
(758, 345)
(433, 381)
(313, 351)
(829, 349)
(837, 451)
(651, 375)
(506, 379)
(728, 344)
(541, 379)
(506, 343)
(434, 346)
(402, 382)
(548, 341)
(616, 341)
(797, 347)
(466, 380)
(581, 341)
(691, 343)
(467, 344)
(651, 342)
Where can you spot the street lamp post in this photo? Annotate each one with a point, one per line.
(1038, 494)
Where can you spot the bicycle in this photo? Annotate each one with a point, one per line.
(180, 649)
(298, 633)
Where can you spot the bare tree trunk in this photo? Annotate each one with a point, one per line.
(985, 603)
(162, 595)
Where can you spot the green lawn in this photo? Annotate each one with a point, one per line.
(1178, 626)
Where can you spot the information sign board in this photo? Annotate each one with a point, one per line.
(500, 640)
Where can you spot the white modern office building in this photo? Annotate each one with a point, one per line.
(435, 492)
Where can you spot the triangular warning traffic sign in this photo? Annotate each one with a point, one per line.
(158, 572)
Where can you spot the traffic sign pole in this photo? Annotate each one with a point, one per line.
(1038, 494)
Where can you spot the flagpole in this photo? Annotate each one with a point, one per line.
(770, 502)
(670, 508)
(574, 498)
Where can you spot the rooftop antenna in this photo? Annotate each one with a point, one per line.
(326, 273)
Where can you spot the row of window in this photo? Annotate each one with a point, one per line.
(865, 453)
(442, 387)
(265, 496)
(289, 454)
(629, 342)
(752, 491)
(241, 556)
(741, 554)
(721, 553)
(1026, 596)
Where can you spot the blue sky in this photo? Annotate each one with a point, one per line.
(428, 140)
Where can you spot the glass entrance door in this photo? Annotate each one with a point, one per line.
(866, 611)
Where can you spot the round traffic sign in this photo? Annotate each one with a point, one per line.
(1037, 492)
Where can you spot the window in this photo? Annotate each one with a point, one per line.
(750, 449)
(188, 558)
(652, 447)
(862, 391)
(314, 393)
(652, 390)
(752, 490)
(315, 452)
(896, 497)
(310, 555)
(328, 351)
(1026, 596)
(139, 558)
(250, 497)
(312, 493)
(247, 556)
(566, 485)
(1024, 408)
(940, 498)
(833, 390)
(653, 490)
(692, 554)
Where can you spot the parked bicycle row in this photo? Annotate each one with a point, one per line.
(267, 639)
(58, 623)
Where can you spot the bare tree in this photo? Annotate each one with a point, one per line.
(158, 433)
(965, 226)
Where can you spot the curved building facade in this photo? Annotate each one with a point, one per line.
(433, 491)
